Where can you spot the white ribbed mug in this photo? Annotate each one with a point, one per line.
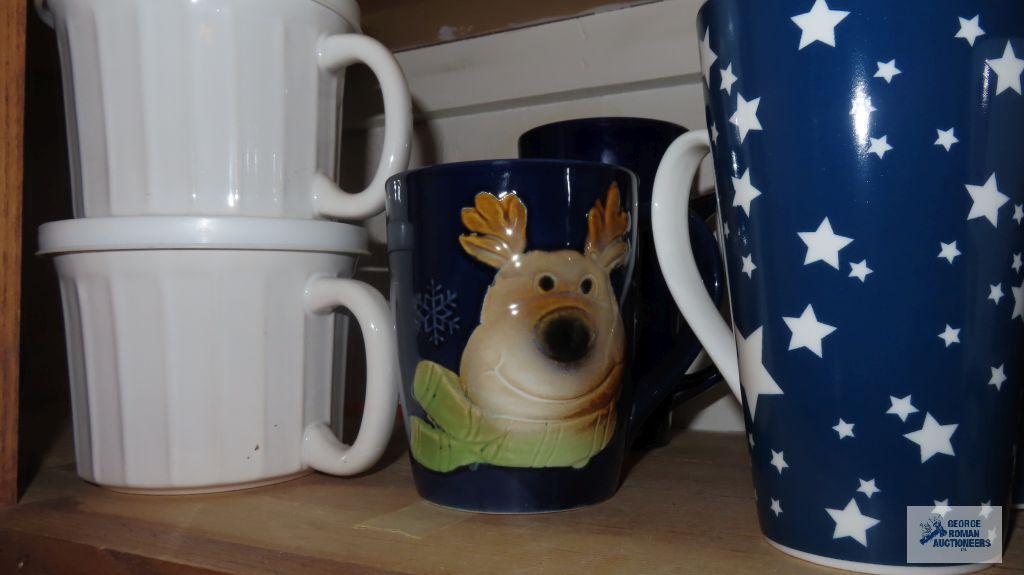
(218, 107)
(201, 349)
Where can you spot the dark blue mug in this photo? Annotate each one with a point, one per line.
(1018, 479)
(868, 158)
(515, 307)
(664, 343)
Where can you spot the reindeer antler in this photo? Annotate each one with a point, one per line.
(499, 227)
(606, 225)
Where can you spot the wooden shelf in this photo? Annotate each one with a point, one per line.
(408, 24)
(376, 524)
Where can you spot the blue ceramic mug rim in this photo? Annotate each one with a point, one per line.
(604, 121)
(470, 164)
(395, 180)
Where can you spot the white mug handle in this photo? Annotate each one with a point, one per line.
(321, 449)
(671, 227)
(340, 51)
(43, 11)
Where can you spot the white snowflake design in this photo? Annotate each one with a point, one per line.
(436, 313)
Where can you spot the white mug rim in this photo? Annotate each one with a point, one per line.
(206, 233)
(347, 9)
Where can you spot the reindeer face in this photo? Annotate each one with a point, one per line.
(550, 342)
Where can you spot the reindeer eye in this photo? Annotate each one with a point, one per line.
(545, 283)
(587, 285)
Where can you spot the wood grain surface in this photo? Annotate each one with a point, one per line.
(684, 509)
(407, 24)
(12, 105)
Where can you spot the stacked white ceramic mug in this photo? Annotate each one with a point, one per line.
(201, 274)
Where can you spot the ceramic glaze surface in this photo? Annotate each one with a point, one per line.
(1018, 481)
(209, 369)
(215, 107)
(663, 340)
(868, 165)
(511, 285)
(541, 374)
(164, 400)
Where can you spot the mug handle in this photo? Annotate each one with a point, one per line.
(675, 254)
(656, 400)
(343, 50)
(43, 11)
(321, 449)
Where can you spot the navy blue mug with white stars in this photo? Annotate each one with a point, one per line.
(868, 158)
(1018, 489)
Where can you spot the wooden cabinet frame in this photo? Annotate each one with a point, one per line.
(12, 105)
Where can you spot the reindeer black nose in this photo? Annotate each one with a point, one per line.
(564, 335)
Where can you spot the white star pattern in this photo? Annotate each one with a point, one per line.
(748, 266)
(933, 438)
(986, 509)
(808, 332)
(950, 335)
(970, 29)
(998, 377)
(946, 138)
(819, 25)
(949, 251)
(879, 146)
(707, 56)
(887, 71)
(756, 379)
(844, 429)
(941, 508)
(823, 245)
(868, 487)
(862, 107)
(901, 408)
(746, 193)
(1018, 302)
(934, 214)
(778, 461)
(728, 79)
(850, 522)
(860, 271)
(987, 200)
(996, 293)
(1009, 69)
(745, 118)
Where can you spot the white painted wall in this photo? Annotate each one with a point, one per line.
(475, 97)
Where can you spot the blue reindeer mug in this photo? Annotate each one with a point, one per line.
(665, 345)
(869, 176)
(513, 296)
